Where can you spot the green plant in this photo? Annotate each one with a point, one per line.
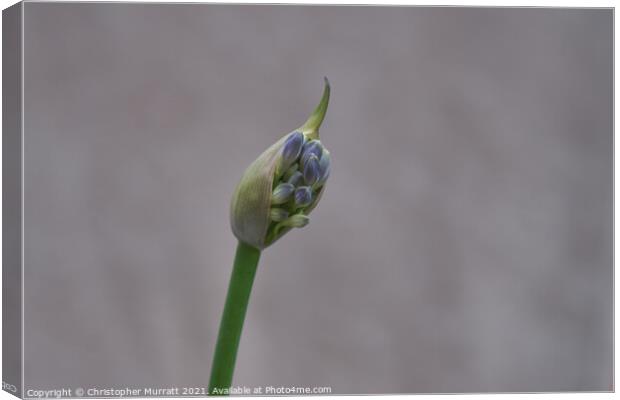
(276, 193)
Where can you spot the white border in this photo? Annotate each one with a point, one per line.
(22, 193)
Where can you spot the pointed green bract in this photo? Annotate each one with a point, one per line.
(312, 125)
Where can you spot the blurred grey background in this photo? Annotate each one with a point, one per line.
(464, 242)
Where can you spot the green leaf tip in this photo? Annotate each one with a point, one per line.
(311, 127)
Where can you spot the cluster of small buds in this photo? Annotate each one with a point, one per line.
(303, 168)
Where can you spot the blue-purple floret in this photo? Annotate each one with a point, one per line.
(313, 147)
(303, 196)
(296, 178)
(312, 171)
(292, 148)
(282, 193)
(324, 166)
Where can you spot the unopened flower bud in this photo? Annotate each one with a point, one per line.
(271, 180)
(312, 171)
(282, 193)
(296, 178)
(296, 221)
(313, 147)
(278, 214)
(303, 196)
(291, 150)
(324, 167)
(290, 172)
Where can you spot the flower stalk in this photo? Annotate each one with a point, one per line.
(237, 298)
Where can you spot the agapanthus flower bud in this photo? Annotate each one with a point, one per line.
(282, 193)
(313, 147)
(296, 178)
(303, 196)
(271, 179)
(278, 214)
(291, 149)
(325, 167)
(312, 171)
(296, 221)
(290, 172)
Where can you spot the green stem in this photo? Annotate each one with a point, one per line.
(244, 270)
